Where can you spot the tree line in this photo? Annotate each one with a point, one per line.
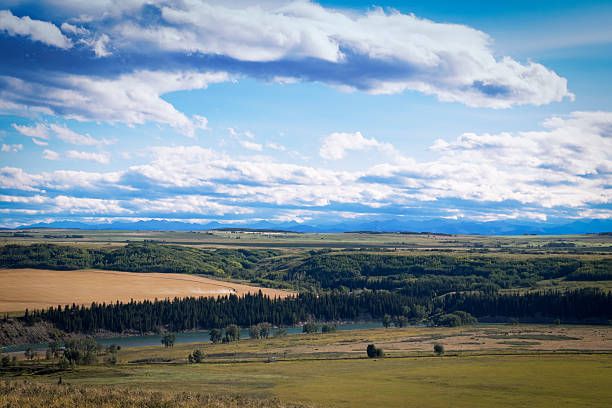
(574, 305)
(258, 309)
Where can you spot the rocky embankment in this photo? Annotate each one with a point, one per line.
(14, 332)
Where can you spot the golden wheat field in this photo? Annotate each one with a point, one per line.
(38, 288)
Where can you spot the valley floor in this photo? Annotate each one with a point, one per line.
(508, 370)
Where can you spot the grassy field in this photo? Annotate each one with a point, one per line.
(28, 395)
(396, 342)
(36, 289)
(482, 381)
(508, 377)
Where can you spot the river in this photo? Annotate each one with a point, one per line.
(190, 337)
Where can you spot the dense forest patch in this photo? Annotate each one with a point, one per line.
(136, 257)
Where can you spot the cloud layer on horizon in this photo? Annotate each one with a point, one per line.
(563, 170)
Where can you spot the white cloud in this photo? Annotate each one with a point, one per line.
(70, 136)
(563, 169)
(37, 30)
(567, 165)
(200, 122)
(92, 206)
(100, 46)
(39, 131)
(50, 155)
(131, 98)
(376, 52)
(39, 142)
(233, 133)
(37, 199)
(12, 148)
(452, 61)
(237, 134)
(251, 145)
(192, 204)
(275, 146)
(97, 157)
(73, 29)
(336, 145)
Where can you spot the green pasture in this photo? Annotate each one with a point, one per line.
(307, 372)
(472, 381)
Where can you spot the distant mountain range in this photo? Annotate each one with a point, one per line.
(515, 227)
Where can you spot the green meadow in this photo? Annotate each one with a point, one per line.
(315, 369)
(471, 381)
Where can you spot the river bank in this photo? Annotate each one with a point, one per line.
(126, 340)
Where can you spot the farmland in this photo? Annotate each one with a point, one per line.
(534, 244)
(39, 289)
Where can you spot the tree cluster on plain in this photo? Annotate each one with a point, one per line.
(168, 339)
(374, 352)
(260, 331)
(310, 327)
(196, 357)
(329, 328)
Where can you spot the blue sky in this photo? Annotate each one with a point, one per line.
(304, 112)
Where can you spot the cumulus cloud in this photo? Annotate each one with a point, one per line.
(251, 145)
(73, 29)
(39, 131)
(98, 43)
(100, 46)
(275, 146)
(185, 205)
(379, 52)
(102, 158)
(200, 122)
(569, 164)
(337, 144)
(90, 206)
(131, 98)
(72, 137)
(50, 155)
(12, 148)
(37, 30)
(384, 52)
(39, 142)
(560, 170)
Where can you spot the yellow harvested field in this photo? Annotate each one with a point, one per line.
(38, 288)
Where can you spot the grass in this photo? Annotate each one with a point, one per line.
(30, 395)
(510, 374)
(473, 381)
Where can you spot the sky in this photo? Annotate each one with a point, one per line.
(304, 112)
